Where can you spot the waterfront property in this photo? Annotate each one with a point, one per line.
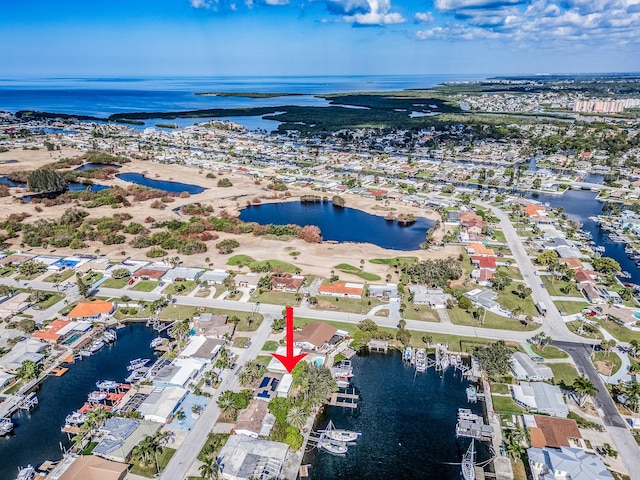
(93, 311)
(524, 368)
(566, 462)
(244, 457)
(540, 397)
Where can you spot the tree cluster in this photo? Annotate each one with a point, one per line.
(435, 273)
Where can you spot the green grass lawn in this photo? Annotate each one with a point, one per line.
(115, 283)
(554, 286)
(491, 320)
(145, 285)
(346, 268)
(183, 287)
(575, 325)
(215, 441)
(240, 260)
(270, 346)
(510, 300)
(61, 277)
(421, 312)
(563, 372)
(400, 261)
(620, 332)
(150, 471)
(52, 300)
(506, 405)
(92, 277)
(274, 297)
(284, 266)
(499, 236)
(178, 312)
(134, 312)
(6, 271)
(29, 277)
(569, 308)
(351, 305)
(511, 272)
(550, 352)
(204, 292)
(499, 388)
(610, 358)
(240, 342)
(263, 359)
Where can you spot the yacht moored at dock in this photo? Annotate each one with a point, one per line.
(468, 465)
(26, 473)
(6, 426)
(107, 385)
(137, 363)
(339, 435)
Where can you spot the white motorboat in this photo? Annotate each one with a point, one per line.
(96, 345)
(26, 473)
(335, 448)
(343, 383)
(408, 352)
(75, 418)
(94, 397)
(157, 342)
(107, 385)
(137, 363)
(421, 360)
(110, 336)
(6, 426)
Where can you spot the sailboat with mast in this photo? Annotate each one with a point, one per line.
(468, 464)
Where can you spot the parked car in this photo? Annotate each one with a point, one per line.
(247, 345)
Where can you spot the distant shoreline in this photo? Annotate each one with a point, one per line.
(248, 94)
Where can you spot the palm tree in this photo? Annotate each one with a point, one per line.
(125, 299)
(296, 417)
(583, 387)
(514, 438)
(634, 347)
(633, 394)
(209, 468)
(29, 370)
(180, 329)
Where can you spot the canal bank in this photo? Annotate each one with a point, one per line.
(407, 421)
(37, 436)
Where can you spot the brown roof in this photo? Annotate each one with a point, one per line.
(251, 418)
(340, 287)
(315, 333)
(155, 273)
(287, 281)
(90, 467)
(555, 431)
(572, 263)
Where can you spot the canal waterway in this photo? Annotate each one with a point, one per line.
(579, 205)
(37, 434)
(407, 421)
(342, 224)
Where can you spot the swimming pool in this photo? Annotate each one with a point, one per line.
(636, 314)
(318, 362)
(66, 263)
(72, 338)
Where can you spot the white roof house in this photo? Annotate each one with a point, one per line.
(566, 463)
(244, 457)
(182, 273)
(285, 385)
(162, 403)
(540, 397)
(524, 368)
(217, 277)
(22, 351)
(179, 372)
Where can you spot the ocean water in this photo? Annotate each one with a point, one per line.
(105, 96)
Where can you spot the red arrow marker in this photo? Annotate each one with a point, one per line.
(289, 361)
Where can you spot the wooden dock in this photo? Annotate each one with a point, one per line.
(59, 371)
(344, 400)
(304, 471)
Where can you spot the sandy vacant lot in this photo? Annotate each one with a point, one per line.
(314, 259)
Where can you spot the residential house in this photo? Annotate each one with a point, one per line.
(22, 351)
(244, 457)
(255, 420)
(533, 210)
(540, 397)
(342, 289)
(150, 273)
(202, 348)
(472, 223)
(120, 436)
(249, 280)
(214, 277)
(524, 368)
(314, 335)
(480, 249)
(213, 326)
(286, 282)
(162, 403)
(93, 311)
(88, 467)
(182, 273)
(434, 297)
(553, 432)
(390, 290)
(482, 297)
(55, 332)
(566, 463)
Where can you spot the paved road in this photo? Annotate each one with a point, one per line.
(184, 457)
(613, 421)
(553, 324)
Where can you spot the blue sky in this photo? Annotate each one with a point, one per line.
(317, 37)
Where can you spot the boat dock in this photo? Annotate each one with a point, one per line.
(29, 402)
(378, 346)
(471, 425)
(344, 399)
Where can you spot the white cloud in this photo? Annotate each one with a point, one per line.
(462, 32)
(424, 17)
(200, 3)
(450, 5)
(276, 2)
(379, 14)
